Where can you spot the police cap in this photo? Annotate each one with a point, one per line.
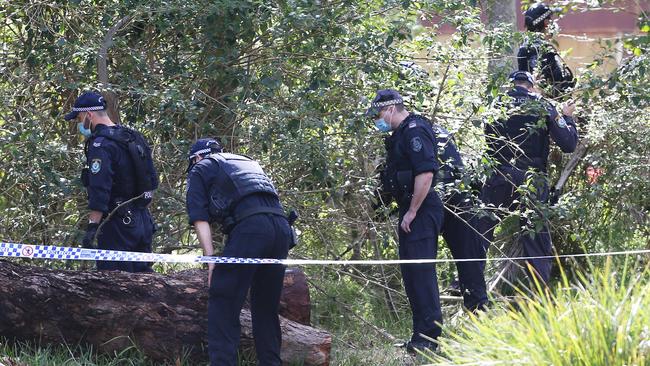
(203, 147)
(522, 76)
(536, 14)
(384, 98)
(88, 101)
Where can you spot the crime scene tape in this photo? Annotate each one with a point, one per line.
(18, 250)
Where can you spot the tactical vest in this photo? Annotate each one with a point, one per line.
(541, 55)
(124, 187)
(241, 177)
(398, 178)
(522, 139)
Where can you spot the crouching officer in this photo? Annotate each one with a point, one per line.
(460, 227)
(120, 179)
(519, 146)
(410, 168)
(539, 57)
(234, 192)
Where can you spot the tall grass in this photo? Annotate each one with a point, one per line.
(603, 320)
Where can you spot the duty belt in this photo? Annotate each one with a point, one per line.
(258, 210)
(231, 221)
(408, 197)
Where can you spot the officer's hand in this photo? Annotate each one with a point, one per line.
(91, 230)
(210, 269)
(406, 221)
(568, 108)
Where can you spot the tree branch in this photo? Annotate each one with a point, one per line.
(577, 155)
(102, 69)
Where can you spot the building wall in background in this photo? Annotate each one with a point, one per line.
(584, 31)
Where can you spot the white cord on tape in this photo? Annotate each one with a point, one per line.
(17, 250)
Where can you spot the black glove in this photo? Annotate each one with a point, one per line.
(91, 230)
(292, 217)
(554, 196)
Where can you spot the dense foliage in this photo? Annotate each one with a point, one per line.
(287, 83)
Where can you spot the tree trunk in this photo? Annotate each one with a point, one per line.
(501, 63)
(295, 303)
(499, 13)
(112, 101)
(163, 315)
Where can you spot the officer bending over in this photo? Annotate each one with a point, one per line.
(410, 168)
(118, 168)
(234, 192)
(519, 145)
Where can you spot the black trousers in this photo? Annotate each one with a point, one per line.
(421, 280)
(460, 230)
(502, 189)
(258, 236)
(131, 232)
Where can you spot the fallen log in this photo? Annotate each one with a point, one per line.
(164, 316)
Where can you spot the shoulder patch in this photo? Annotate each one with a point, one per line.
(416, 144)
(97, 142)
(561, 122)
(96, 166)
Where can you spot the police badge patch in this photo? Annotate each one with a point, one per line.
(416, 144)
(561, 122)
(96, 166)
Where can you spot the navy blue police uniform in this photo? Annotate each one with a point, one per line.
(411, 151)
(538, 56)
(541, 57)
(460, 227)
(119, 168)
(520, 145)
(233, 192)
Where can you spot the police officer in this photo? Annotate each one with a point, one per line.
(519, 146)
(411, 165)
(118, 169)
(460, 227)
(234, 192)
(539, 57)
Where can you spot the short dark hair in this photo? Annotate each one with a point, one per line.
(399, 107)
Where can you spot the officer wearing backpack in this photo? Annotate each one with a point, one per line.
(411, 165)
(120, 178)
(518, 145)
(539, 57)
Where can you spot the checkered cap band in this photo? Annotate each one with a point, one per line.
(86, 109)
(542, 17)
(387, 103)
(200, 152)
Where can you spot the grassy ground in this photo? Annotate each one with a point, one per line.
(600, 320)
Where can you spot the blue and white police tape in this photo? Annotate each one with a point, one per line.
(17, 250)
(55, 252)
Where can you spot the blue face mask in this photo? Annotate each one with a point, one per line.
(86, 132)
(382, 125)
